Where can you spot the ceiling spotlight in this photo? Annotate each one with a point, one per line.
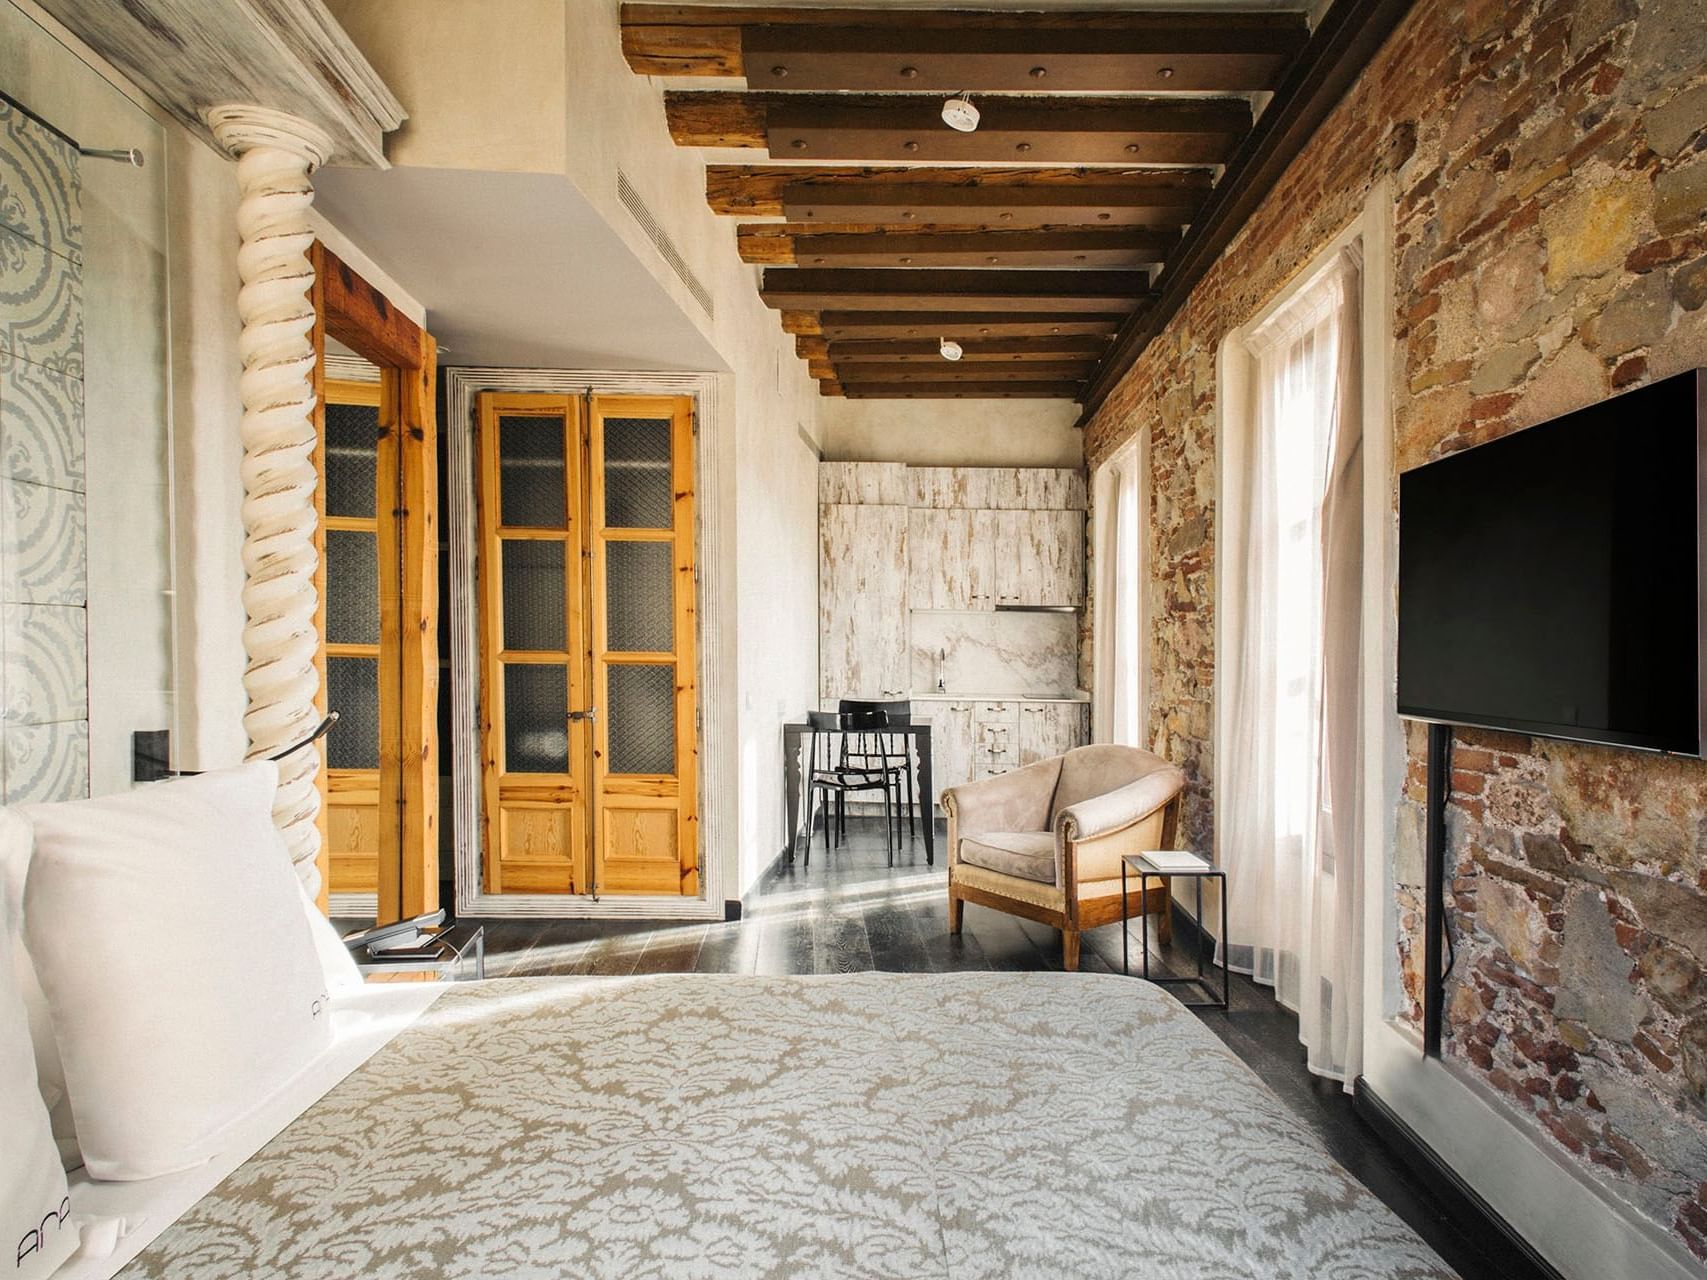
(959, 113)
(951, 350)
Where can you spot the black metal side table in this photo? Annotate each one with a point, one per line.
(445, 952)
(1139, 864)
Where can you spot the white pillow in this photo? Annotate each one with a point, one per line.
(168, 931)
(336, 962)
(35, 1206)
(15, 843)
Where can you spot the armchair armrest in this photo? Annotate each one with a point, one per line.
(1115, 810)
(1016, 801)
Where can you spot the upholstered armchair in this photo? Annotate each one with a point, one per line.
(1045, 841)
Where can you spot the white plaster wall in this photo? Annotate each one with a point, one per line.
(207, 454)
(483, 83)
(953, 433)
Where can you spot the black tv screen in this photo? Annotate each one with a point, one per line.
(1550, 581)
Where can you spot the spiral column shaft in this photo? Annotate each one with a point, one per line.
(276, 153)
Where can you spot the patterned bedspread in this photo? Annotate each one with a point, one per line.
(957, 1125)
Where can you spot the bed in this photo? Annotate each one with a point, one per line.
(875, 1124)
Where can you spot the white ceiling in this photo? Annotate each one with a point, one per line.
(516, 270)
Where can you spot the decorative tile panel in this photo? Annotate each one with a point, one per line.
(41, 305)
(40, 193)
(45, 664)
(41, 544)
(41, 424)
(44, 678)
(45, 762)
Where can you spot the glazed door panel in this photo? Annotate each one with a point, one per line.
(359, 596)
(646, 756)
(536, 748)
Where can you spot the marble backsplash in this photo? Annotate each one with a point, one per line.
(1007, 654)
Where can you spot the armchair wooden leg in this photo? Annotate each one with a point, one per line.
(1070, 950)
(1165, 925)
(956, 911)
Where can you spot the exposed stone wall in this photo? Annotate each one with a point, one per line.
(1579, 927)
(1549, 163)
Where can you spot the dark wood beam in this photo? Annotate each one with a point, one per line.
(850, 375)
(1151, 52)
(997, 49)
(960, 325)
(975, 352)
(812, 289)
(1344, 41)
(901, 127)
(962, 196)
(956, 390)
(1070, 247)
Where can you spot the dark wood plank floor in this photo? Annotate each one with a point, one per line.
(849, 911)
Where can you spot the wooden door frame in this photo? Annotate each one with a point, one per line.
(352, 311)
(714, 735)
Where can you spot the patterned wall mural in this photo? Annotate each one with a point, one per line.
(44, 699)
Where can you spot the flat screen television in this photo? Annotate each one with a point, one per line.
(1550, 582)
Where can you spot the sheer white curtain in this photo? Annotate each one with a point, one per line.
(1291, 751)
(1118, 694)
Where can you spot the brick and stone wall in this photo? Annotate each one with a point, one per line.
(1549, 165)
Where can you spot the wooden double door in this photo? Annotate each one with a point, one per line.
(589, 778)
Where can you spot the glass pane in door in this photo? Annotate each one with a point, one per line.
(639, 603)
(642, 718)
(352, 587)
(533, 588)
(352, 468)
(536, 718)
(352, 690)
(531, 484)
(638, 483)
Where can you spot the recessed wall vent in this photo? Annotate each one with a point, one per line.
(661, 241)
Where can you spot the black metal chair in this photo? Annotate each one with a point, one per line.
(833, 779)
(891, 752)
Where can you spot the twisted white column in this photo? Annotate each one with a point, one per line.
(275, 155)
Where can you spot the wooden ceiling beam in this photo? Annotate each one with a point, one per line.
(1070, 248)
(1345, 39)
(1238, 57)
(950, 371)
(877, 289)
(901, 127)
(957, 196)
(954, 390)
(960, 325)
(851, 48)
(925, 350)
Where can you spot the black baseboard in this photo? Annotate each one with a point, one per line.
(731, 910)
(1508, 1254)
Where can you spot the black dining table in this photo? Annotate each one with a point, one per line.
(797, 739)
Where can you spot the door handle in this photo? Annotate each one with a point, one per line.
(590, 714)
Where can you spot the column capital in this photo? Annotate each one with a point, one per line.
(242, 126)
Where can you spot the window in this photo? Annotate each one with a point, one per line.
(1122, 498)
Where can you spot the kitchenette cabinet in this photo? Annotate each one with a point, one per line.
(916, 568)
(862, 601)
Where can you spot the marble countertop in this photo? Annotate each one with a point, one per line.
(933, 695)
